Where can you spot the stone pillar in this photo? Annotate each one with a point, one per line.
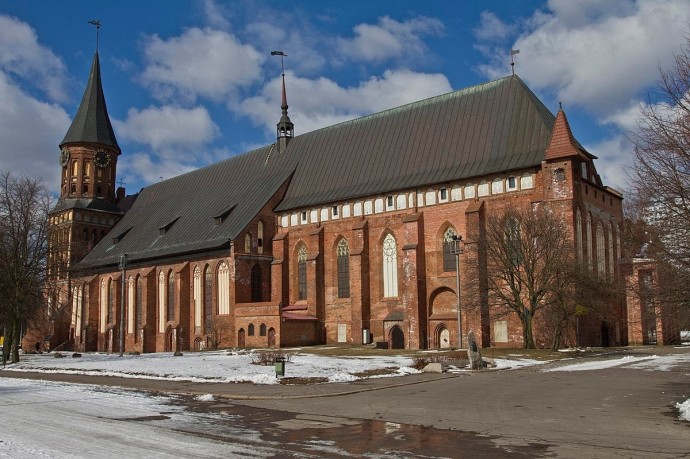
(359, 281)
(473, 281)
(413, 287)
(316, 301)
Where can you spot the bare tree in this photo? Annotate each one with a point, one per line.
(661, 188)
(24, 206)
(527, 253)
(219, 332)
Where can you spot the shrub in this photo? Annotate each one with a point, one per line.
(269, 356)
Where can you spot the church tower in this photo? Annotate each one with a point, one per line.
(87, 208)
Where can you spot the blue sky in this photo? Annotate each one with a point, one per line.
(192, 82)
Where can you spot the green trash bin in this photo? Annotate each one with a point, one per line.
(280, 366)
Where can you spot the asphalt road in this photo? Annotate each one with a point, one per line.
(615, 412)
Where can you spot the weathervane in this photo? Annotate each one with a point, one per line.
(513, 52)
(282, 62)
(97, 23)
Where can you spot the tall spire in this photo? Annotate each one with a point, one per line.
(91, 123)
(285, 128)
(563, 143)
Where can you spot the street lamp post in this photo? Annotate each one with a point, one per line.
(456, 249)
(123, 268)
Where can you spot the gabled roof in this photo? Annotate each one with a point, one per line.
(485, 129)
(91, 123)
(187, 207)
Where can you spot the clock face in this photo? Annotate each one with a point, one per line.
(101, 158)
(64, 157)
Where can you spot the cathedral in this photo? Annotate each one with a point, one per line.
(344, 235)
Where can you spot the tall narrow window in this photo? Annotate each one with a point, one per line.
(601, 252)
(223, 288)
(611, 255)
(248, 243)
(111, 302)
(588, 236)
(161, 302)
(139, 306)
(343, 253)
(256, 284)
(302, 273)
(130, 305)
(260, 237)
(449, 258)
(390, 267)
(578, 235)
(262, 330)
(513, 240)
(171, 296)
(104, 305)
(250, 330)
(208, 299)
(198, 299)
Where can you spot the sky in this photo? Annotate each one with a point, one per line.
(192, 82)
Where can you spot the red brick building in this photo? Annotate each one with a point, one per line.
(341, 235)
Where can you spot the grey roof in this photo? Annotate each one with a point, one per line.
(490, 128)
(86, 203)
(201, 210)
(91, 123)
(485, 129)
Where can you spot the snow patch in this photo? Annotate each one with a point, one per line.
(684, 409)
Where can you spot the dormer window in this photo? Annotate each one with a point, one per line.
(220, 218)
(120, 236)
(165, 228)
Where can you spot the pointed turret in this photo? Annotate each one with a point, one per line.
(91, 123)
(563, 144)
(285, 127)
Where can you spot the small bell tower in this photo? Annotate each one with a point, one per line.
(285, 129)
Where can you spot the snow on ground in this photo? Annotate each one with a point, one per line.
(216, 366)
(650, 362)
(684, 409)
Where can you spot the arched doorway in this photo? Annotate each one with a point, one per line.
(240, 338)
(271, 337)
(168, 346)
(197, 344)
(442, 337)
(397, 338)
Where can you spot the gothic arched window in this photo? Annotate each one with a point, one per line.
(302, 273)
(449, 258)
(171, 296)
(390, 267)
(223, 288)
(256, 284)
(208, 299)
(578, 234)
(601, 251)
(343, 253)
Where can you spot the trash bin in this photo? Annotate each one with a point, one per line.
(280, 366)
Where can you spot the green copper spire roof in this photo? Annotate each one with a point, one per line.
(92, 124)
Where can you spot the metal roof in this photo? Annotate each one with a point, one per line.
(189, 213)
(485, 129)
(91, 123)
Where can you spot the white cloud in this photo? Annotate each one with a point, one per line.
(21, 55)
(615, 160)
(389, 39)
(144, 168)
(168, 127)
(321, 102)
(30, 131)
(200, 62)
(491, 28)
(598, 55)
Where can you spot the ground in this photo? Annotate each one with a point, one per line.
(621, 403)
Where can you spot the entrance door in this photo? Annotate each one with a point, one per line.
(444, 338)
(271, 337)
(240, 338)
(397, 338)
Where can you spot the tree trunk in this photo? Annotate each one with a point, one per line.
(16, 331)
(527, 336)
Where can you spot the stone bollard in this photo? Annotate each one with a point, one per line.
(473, 352)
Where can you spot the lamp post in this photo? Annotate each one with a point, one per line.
(457, 249)
(123, 268)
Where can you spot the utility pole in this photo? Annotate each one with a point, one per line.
(457, 250)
